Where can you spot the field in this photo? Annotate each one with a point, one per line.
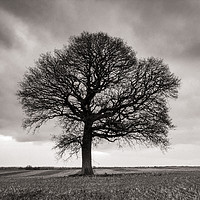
(108, 183)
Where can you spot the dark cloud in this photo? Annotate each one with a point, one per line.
(59, 18)
(193, 50)
(37, 11)
(158, 26)
(165, 28)
(41, 17)
(7, 36)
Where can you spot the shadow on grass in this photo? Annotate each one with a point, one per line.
(78, 174)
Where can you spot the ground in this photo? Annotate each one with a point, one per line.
(108, 183)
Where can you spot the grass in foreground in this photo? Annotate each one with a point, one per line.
(173, 185)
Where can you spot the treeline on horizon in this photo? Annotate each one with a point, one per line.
(29, 167)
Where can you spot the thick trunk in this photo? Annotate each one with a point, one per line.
(86, 151)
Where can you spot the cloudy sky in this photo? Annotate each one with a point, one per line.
(165, 29)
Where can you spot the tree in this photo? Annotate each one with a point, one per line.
(97, 89)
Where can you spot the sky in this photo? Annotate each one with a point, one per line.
(165, 29)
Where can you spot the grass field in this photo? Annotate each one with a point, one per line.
(108, 183)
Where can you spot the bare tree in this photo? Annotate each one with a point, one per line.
(98, 89)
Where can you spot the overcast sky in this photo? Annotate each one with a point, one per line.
(165, 29)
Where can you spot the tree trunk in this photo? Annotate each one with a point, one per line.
(86, 151)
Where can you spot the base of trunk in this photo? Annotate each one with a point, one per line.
(87, 172)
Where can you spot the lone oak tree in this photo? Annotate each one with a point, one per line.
(97, 88)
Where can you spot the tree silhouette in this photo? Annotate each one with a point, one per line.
(97, 89)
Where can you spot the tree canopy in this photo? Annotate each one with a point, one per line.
(98, 89)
